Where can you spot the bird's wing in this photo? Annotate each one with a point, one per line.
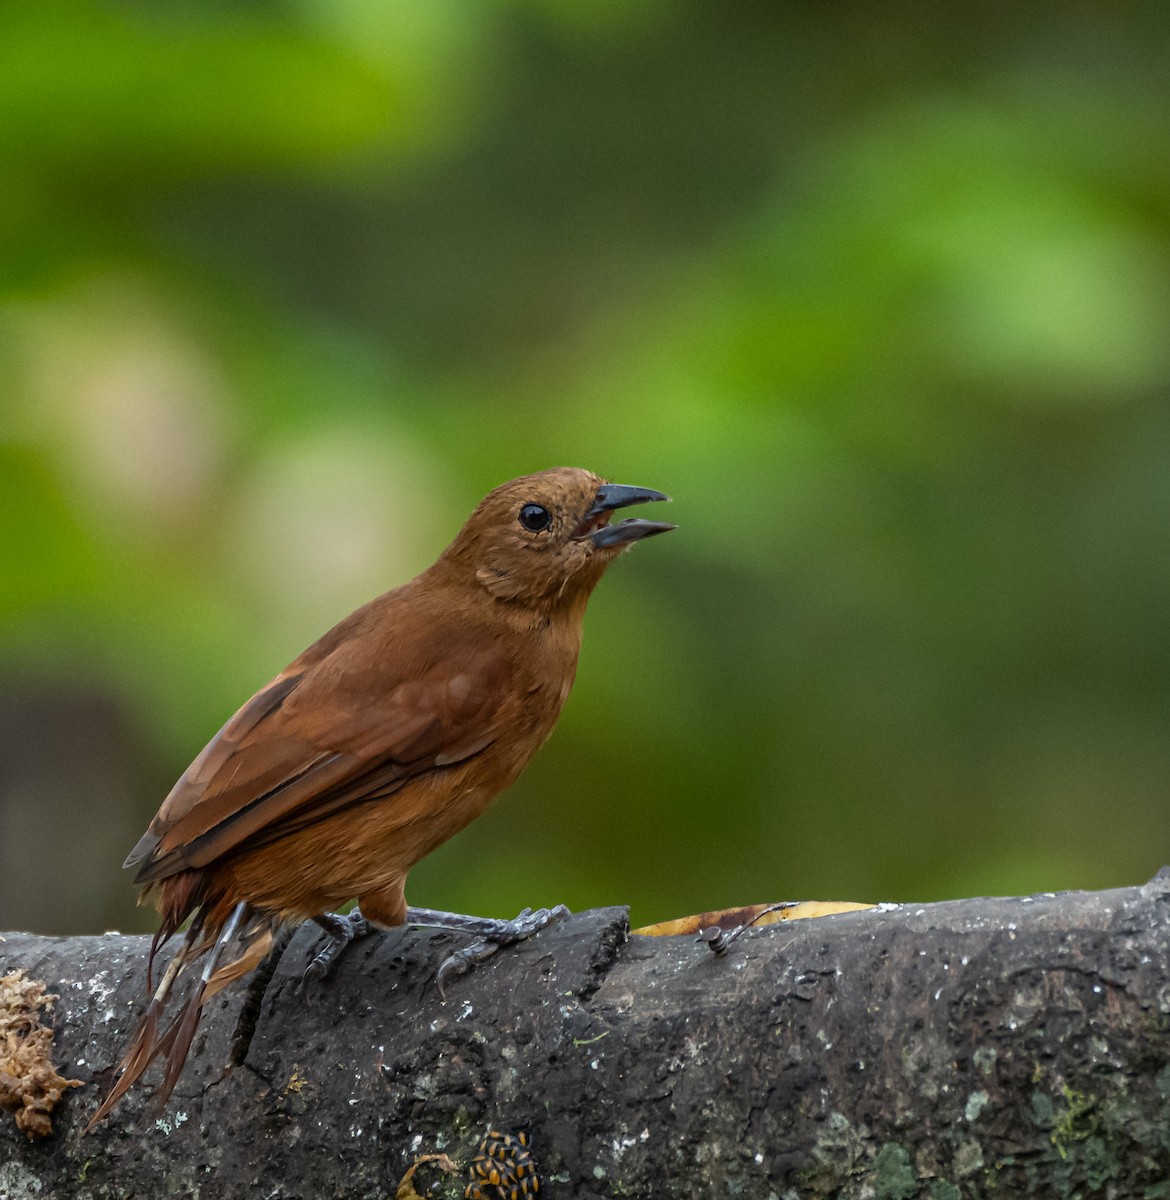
(312, 742)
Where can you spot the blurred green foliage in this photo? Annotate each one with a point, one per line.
(880, 295)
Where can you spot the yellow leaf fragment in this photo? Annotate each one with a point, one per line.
(749, 914)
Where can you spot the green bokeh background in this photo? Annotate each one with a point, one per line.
(879, 294)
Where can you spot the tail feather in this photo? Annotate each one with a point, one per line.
(256, 948)
(174, 1043)
(146, 1044)
(161, 936)
(141, 1054)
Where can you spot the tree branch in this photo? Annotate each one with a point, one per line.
(967, 1049)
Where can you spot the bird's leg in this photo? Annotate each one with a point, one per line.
(341, 930)
(490, 933)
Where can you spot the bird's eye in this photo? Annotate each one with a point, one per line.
(535, 517)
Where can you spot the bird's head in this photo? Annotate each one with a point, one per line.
(544, 539)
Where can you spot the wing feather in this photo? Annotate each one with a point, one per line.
(312, 743)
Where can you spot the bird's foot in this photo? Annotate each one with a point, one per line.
(491, 933)
(341, 931)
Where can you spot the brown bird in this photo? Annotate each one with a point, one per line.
(382, 740)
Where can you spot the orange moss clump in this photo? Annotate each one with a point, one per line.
(29, 1084)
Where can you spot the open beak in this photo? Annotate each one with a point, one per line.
(612, 496)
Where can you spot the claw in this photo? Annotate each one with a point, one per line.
(341, 931)
(461, 962)
(492, 935)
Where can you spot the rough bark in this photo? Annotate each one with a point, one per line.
(976, 1048)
